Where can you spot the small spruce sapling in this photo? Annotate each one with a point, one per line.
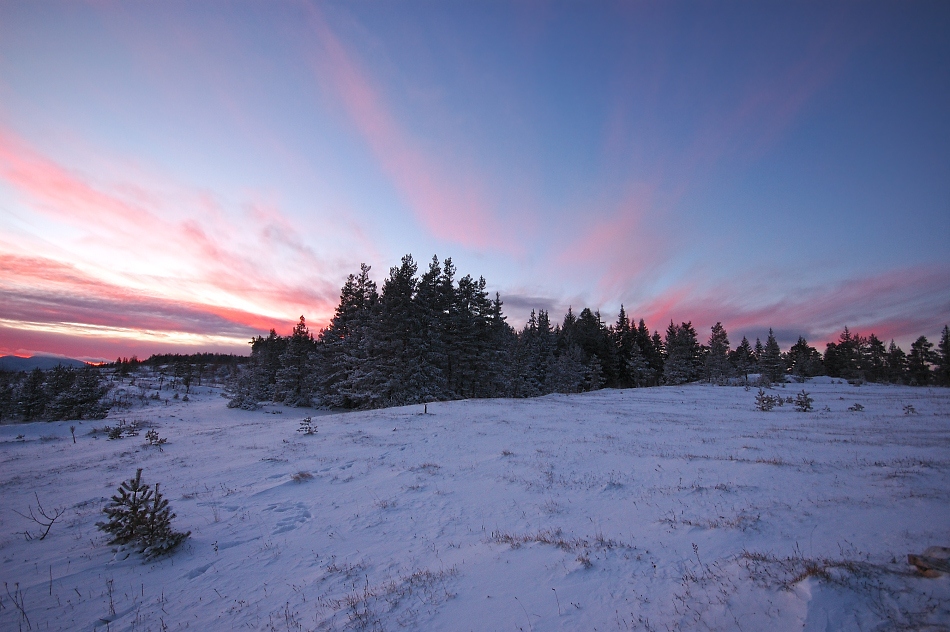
(154, 440)
(306, 426)
(803, 402)
(140, 516)
(764, 402)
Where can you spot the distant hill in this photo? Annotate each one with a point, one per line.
(14, 363)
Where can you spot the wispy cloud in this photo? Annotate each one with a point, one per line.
(900, 304)
(142, 258)
(446, 193)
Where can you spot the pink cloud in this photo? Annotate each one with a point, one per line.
(450, 201)
(877, 304)
(142, 247)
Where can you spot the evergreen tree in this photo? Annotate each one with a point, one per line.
(58, 385)
(346, 347)
(258, 380)
(657, 356)
(683, 360)
(942, 359)
(292, 383)
(434, 300)
(501, 338)
(717, 360)
(594, 339)
(804, 360)
(841, 358)
(127, 512)
(32, 396)
(639, 370)
(392, 380)
(568, 373)
(88, 396)
(896, 364)
(624, 339)
(743, 358)
(651, 349)
(8, 382)
(874, 358)
(770, 362)
(918, 361)
(140, 516)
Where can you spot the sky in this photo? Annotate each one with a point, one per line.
(181, 176)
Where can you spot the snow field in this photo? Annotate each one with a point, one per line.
(663, 508)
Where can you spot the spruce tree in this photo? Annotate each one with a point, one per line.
(742, 358)
(770, 362)
(568, 373)
(140, 516)
(717, 359)
(292, 383)
(683, 360)
(128, 510)
(32, 396)
(624, 339)
(874, 359)
(942, 359)
(918, 361)
(804, 360)
(896, 364)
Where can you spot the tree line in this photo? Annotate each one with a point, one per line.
(65, 393)
(431, 337)
(57, 394)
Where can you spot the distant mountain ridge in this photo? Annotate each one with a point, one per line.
(15, 363)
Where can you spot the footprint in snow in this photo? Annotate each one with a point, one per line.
(298, 514)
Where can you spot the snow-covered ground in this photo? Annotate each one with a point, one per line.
(658, 509)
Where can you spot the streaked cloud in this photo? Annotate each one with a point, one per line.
(148, 260)
(900, 304)
(446, 193)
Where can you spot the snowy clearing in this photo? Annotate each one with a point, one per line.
(658, 509)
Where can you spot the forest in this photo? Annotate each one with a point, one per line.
(429, 337)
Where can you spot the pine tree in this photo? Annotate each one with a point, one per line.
(624, 338)
(674, 364)
(258, 380)
(717, 360)
(770, 362)
(292, 383)
(942, 359)
(742, 358)
(568, 373)
(918, 361)
(32, 396)
(127, 512)
(593, 337)
(346, 349)
(874, 359)
(434, 302)
(140, 516)
(59, 390)
(846, 356)
(804, 360)
(501, 337)
(638, 368)
(896, 364)
(155, 534)
(656, 356)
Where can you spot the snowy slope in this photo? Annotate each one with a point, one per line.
(664, 508)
